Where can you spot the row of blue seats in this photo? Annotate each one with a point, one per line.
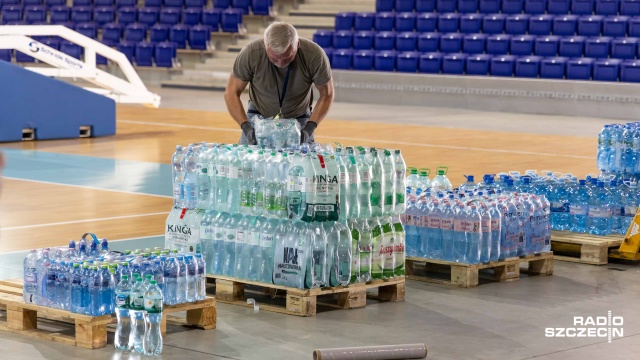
(587, 25)
(568, 46)
(485, 64)
(580, 7)
(141, 53)
(229, 20)
(257, 7)
(196, 36)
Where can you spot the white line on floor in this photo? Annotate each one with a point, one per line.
(87, 187)
(179, 125)
(83, 221)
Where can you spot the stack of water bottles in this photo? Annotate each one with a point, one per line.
(474, 223)
(276, 133)
(307, 216)
(619, 150)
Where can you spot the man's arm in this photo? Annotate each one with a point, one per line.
(324, 102)
(235, 87)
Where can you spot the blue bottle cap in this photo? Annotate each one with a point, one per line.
(582, 182)
(72, 244)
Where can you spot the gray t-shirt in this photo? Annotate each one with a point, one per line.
(310, 65)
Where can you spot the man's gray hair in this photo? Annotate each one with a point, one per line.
(279, 36)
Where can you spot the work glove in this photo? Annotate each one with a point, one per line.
(249, 133)
(307, 132)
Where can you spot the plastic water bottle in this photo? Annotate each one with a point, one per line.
(365, 248)
(447, 229)
(85, 291)
(178, 176)
(316, 271)
(599, 221)
(201, 279)
(423, 184)
(387, 258)
(344, 248)
(243, 234)
(295, 186)
(272, 184)
(230, 227)
(410, 227)
(75, 294)
(615, 202)
(267, 245)
(191, 278)
(630, 203)
(615, 156)
(377, 173)
(106, 291)
(474, 235)
(470, 184)
(352, 188)
(152, 343)
(412, 181)
(355, 251)
(441, 182)
(30, 277)
(364, 191)
(171, 273)
(257, 192)
(496, 229)
(579, 208)
(136, 312)
(190, 179)
(71, 252)
(252, 248)
(234, 175)
(181, 294)
(344, 184)
(376, 253)
(399, 183)
(247, 183)
(122, 300)
(461, 223)
(158, 273)
(604, 148)
(560, 206)
(485, 247)
(389, 184)
(222, 181)
(434, 231)
(422, 225)
(281, 195)
(399, 251)
(50, 289)
(216, 261)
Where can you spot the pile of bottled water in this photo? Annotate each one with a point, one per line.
(619, 149)
(276, 133)
(241, 205)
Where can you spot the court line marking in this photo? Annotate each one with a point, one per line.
(110, 241)
(86, 187)
(83, 221)
(453, 147)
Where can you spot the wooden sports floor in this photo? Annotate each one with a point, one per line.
(116, 203)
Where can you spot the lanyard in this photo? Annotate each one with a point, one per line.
(284, 88)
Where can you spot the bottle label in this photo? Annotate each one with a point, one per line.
(616, 211)
(558, 206)
(182, 237)
(233, 172)
(137, 302)
(266, 240)
(295, 183)
(153, 306)
(219, 234)
(630, 211)
(343, 178)
(353, 178)
(446, 224)
(386, 250)
(308, 185)
(254, 240)
(240, 236)
(31, 275)
(434, 222)
(230, 235)
(578, 209)
(122, 300)
(212, 169)
(207, 234)
(222, 170)
(599, 212)
(424, 221)
(486, 226)
(459, 225)
(495, 224)
(365, 259)
(364, 177)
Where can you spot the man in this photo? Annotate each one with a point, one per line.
(281, 68)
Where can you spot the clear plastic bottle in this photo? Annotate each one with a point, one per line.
(218, 249)
(181, 293)
(178, 176)
(441, 182)
(152, 343)
(388, 184)
(190, 179)
(257, 192)
(352, 188)
(122, 300)
(247, 183)
(230, 228)
(599, 222)
(192, 278)
(30, 277)
(201, 280)
(377, 192)
(400, 185)
(234, 175)
(136, 312)
(171, 273)
(253, 249)
(364, 188)
(243, 234)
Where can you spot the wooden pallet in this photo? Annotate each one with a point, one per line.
(584, 248)
(90, 331)
(468, 275)
(303, 302)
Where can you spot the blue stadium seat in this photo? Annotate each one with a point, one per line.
(135, 32)
(242, 5)
(172, 16)
(571, 46)
(31, 2)
(405, 5)
(52, 43)
(528, 66)
(34, 14)
(77, 3)
(607, 7)
(590, 25)
(431, 63)
(199, 36)
(385, 60)
(582, 7)
(363, 40)
(540, 24)
(517, 24)
(87, 29)
(426, 22)
(502, 65)
(454, 64)
(71, 49)
(451, 43)
(634, 27)
(112, 33)
(163, 54)
(425, 6)
(230, 21)
(59, 14)
(535, 7)
(597, 47)
(406, 41)
(24, 58)
(99, 3)
(624, 48)
(11, 13)
(498, 44)
(261, 7)
(468, 6)
(127, 15)
(474, 43)
(364, 21)
(512, 6)
(445, 6)
(125, 3)
(407, 62)
(52, 3)
(606, 69)
(490, 6)
(448, 23)
(159, 33)
(580, 69)
(558, 7)
(470, 23)
(153, 3)
(173, 3)
(429, 42)
(148, 16)
(553, 67)
(324, 38)
(493, 24)
(104, 14)
(630, 71)
(385, 21)
(384, 40)
(144, 53)
(127, 48)
(81, 14)
(6, 55)
(178, 35)
(385, 5)
(405, 21)
(210, 17)
(222, 4)
(343, 39)
(546, 46)
(478, 64)
(630, 7)
(344, 21)
(565, 25)
(522, 45)
(615, 25)
(363, 60)
(192, 16)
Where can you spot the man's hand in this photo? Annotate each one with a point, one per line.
(249, 133)
(307, 131)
